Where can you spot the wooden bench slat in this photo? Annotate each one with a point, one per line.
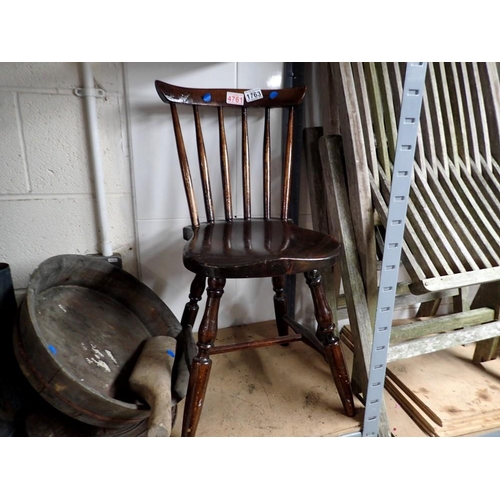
(456, 281)
(441, 324)
(442, 341)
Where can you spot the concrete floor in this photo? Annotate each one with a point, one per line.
(278, 391)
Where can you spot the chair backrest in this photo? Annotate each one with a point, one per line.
(221, 98)
(453, 228)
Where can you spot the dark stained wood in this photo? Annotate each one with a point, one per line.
(186, 174)
(200, 369)
(267, 164)
(250, 247)
(254, 343)
(280, 304)
(287, 167)
(224, 164)
(271, 97)
(326, 335)
(276, 248)
(79, 333)
(246, 165)
(205, 176)
(191, 308)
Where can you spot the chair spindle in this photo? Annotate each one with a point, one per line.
(226, 181)
(267, 164)
(186, 175)
(287, 166)
(246, 165)
(205, 176)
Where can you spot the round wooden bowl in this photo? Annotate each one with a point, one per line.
(79, 333)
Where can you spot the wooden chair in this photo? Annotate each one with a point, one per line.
(250, 247)
(452, 237)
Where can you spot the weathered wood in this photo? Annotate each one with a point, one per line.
(443, 341)
(441, 324)
(456, 281)
(320, 195)
(453, 223)
(329, 110)
(80, 332)
(487, 296)
(361, 208)
(480, 114)
(359, 314)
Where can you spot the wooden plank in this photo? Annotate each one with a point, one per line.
(447, 216)
(457, 109)
(443, 341)
(329, 108)
(462, 396)
(447, 110)
(470, 120)
(319, 200)
(389, 114)
(482, 194)
(366, 119)
(456, 281)
(488, 295)
(377, 116)
(436, 116)
(491, 92)
(357, 304)
(357, 179)
(441, 324)
(432, 239)
(390, 386)
(480, 113)
(472, 221)
(413, 250)
(482, 222)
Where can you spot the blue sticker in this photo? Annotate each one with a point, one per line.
(52, 349)
(171, 353)
(207, 97)
(273, 94)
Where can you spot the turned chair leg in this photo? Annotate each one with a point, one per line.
(184, 351)
(280, 305)
(195, 294)
(200, 368)
(325, 334)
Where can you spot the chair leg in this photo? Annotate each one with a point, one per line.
(325, 334)
(200, 368)
(280, 305)
(191, 308)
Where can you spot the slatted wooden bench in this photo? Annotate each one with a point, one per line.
(452, 236)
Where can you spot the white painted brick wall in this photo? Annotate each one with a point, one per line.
(47, 205)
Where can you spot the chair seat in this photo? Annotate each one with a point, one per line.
(257, 248)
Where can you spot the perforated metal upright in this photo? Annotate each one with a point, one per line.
(414, 87)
